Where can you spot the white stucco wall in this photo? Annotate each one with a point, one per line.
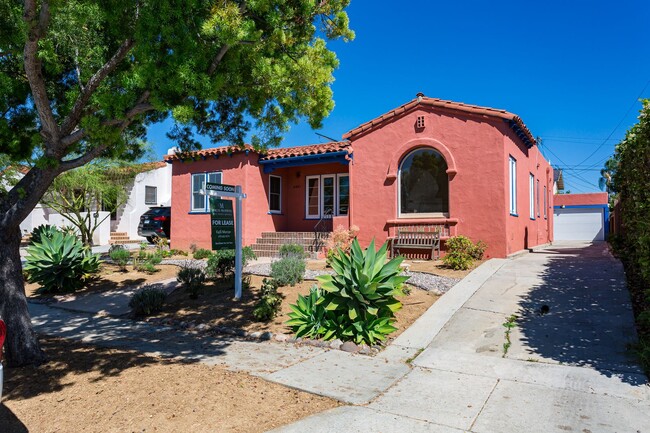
(128, 217)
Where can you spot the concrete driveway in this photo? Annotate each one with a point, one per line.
(568, 368)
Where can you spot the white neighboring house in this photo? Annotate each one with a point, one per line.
(150, 188)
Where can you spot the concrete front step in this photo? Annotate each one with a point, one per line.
(123, 241)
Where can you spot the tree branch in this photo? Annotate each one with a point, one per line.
(222, 52)
(35, 31)
(74, 116)
(83, 159)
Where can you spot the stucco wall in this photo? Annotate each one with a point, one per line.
(581, 199)
(473, 150)
(522, 231)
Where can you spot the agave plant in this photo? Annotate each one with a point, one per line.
(364, 285)
(60, 263)
(42, 231)
(307, 318)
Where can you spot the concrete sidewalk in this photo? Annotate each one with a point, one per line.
(567, 369)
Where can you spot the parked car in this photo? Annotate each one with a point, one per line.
(155, 223)
(3, 334)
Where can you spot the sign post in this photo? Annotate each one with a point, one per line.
(222, 222)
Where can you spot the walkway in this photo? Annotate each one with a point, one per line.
(566, 370)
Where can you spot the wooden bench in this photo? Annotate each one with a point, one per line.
(415, 240)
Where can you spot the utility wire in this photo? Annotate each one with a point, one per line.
(617, 125)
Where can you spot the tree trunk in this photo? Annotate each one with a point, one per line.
(21, 345)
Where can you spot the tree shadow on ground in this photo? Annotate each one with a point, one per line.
(580, 314)
(66, 359)
(10, 422)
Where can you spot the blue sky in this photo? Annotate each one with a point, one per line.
(573, 70)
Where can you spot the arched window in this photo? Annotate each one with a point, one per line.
(423, 184)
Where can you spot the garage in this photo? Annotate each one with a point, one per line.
(579, 223)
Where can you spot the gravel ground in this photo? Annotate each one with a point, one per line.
(429, 282)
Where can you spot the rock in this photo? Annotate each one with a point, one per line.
(281, 338)
(349, 346)
(365, 350)
(266, 336)
(336, 344)
(202, 327)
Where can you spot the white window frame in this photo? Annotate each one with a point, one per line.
(275, 211)
(155, 190)
(206, 207)
(318, 189)
(513, 185)
(531, 194)
(537, 201)
(338, 193)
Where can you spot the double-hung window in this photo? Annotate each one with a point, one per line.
(513, 186)
(150, 195)
(275, 194)
(532, 196)
(537, 192)
(200, 202)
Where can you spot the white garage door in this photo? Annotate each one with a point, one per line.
(578, 224)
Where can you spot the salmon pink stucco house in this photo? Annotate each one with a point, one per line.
(429, 164)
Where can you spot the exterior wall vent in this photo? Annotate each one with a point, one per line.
(419, 124)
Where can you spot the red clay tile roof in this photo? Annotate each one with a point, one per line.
(448, 105)
(210, 152)
(312, 149)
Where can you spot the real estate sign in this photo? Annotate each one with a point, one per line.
(223, 224)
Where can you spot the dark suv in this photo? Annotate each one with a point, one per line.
(155, 223)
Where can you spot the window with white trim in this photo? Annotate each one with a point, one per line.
(545, 203)
(312, 199)
(531, 193)
(200, 202)
(343, 196)
(537, 198)
(275, 194)
(150, 195)
(513, 186)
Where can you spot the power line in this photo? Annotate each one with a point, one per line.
(617, 125)
(565, 164)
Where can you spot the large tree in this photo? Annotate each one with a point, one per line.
(80, 79)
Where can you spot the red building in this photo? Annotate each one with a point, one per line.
(428, 164)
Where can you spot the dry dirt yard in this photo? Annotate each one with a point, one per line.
(85, 388)
(216, 306)
(110, 277)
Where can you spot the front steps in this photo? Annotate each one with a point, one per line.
(122, 238)
(270, 242)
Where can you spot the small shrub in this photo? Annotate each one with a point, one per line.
(44, 230)
(222, 263)
(121, 257)
(60, 263)
(340, 239)
(269, 304)
(161, 243)
(288, 271)
(192, 248)
(146, 262)
(147, 301)
(176, 252)
(201, 253)
(461, 252)
(192, 279)
(296, 250)
(143, 246)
